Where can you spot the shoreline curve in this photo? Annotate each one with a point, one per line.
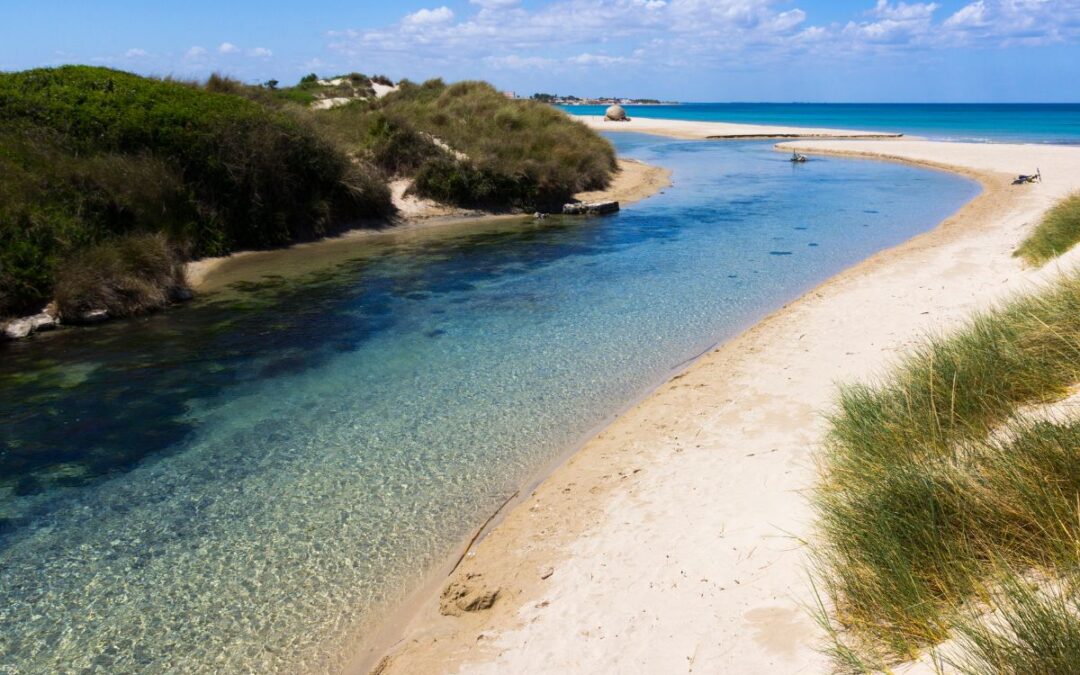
(599, 508)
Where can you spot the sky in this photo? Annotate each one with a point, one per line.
(687, 50)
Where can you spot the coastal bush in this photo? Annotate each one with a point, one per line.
(1058, 232)
(54, 201)
(502, 153)
(542, 154)
(933, 481)
(127, 275)
(263, 178)
(90, 153)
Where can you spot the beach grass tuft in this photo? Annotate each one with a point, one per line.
(1058, 232)
(1035, 630)
(935, 479)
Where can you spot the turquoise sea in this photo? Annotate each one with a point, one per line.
(242, 484)
(1012, 123)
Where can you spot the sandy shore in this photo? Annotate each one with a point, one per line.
(671, 542)
(720, 130)
(634, 181)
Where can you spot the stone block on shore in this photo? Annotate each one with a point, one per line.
(590, 208)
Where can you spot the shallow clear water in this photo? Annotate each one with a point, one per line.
(981, 122)
(237, 485)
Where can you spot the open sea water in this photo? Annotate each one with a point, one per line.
(245, 483)
(999, 123)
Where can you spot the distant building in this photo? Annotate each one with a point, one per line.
(510, 94)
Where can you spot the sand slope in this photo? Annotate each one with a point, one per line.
(671, 538)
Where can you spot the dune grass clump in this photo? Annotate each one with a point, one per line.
(1058, 232)
(932, 481)
(1035, 631)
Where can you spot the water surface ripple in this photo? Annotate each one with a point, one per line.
(240, 485)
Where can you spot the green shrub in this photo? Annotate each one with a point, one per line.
(515, 153)
(1057, 233)
(453, 181)
(87, 154)
(91, 154)
(264, 178)
(127, 275)
(53, 201)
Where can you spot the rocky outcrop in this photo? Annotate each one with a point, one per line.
(616, 113)
(17, 329)
(590, 208)
(92, 316)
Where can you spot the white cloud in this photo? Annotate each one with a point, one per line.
(135, 53)
(677, 33)
(972, 15)
(195, 52)
(425, 17)
(587, 59)
(899, 24)
(228, 48)
(261, 53)
(515, 62)
(905, 12)
(495, 4)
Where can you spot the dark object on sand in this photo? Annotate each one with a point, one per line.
(1035, 178)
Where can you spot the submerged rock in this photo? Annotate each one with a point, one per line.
(590, 208)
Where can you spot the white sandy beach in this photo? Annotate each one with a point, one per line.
(670, 542)
(719, 130)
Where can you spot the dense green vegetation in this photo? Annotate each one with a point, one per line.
(1057, 233)
(501, 153)
(90, 156)
(939, 497)
(87, 154)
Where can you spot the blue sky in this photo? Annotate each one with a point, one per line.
(693, 50)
